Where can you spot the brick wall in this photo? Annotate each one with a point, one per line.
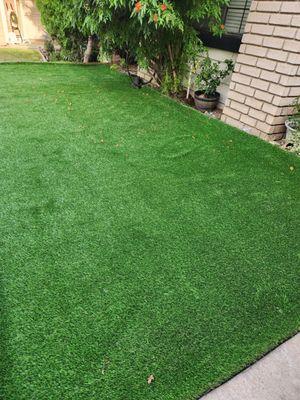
(267, 73)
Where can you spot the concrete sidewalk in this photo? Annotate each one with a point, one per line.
(274, 377)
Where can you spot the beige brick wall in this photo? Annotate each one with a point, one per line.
(267, 73)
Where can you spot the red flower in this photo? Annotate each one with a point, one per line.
(155, 18)
(138, 6)
(163, 7)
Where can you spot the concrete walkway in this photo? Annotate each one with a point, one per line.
(274, 377)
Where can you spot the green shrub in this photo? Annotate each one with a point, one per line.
(211, 75)
(295, 124)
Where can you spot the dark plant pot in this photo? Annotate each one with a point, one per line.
(206, 103)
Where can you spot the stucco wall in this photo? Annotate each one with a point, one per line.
(2, 37)
(32, 27)
(3, 24)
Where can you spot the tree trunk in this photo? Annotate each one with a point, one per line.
(172, 63)
(89, 49)
(189, 84)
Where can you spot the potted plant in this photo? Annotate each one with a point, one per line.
(293, 123)
(208, 79)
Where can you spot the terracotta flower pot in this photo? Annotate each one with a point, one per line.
(204, 103)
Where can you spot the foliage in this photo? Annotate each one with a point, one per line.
(295, 118)
(52, 53)
(65, 22)
(211, 75)
(160, 34)
(295, 124)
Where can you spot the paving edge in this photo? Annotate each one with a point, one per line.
(282, 341)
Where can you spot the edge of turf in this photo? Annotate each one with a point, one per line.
(249, 364)
(219, 121)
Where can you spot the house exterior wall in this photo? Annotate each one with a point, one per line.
(32, 27)
(3, 24)
(2, 34)
(29, 29)
(266, 80)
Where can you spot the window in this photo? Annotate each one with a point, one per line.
(235, 16)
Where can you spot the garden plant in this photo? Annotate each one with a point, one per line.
(209, 75)
(293, 129)
(158, 34)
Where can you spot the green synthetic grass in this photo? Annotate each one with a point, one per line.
(18, 55)
(137, 237)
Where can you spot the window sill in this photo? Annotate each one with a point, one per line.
(229, 42)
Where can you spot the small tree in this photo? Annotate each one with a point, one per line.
(68, 22)
(160, 34)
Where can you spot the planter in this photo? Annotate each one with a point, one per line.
(204, 103)
(291, 129)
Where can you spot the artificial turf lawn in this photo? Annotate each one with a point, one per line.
(18, 55)
(138, 237)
